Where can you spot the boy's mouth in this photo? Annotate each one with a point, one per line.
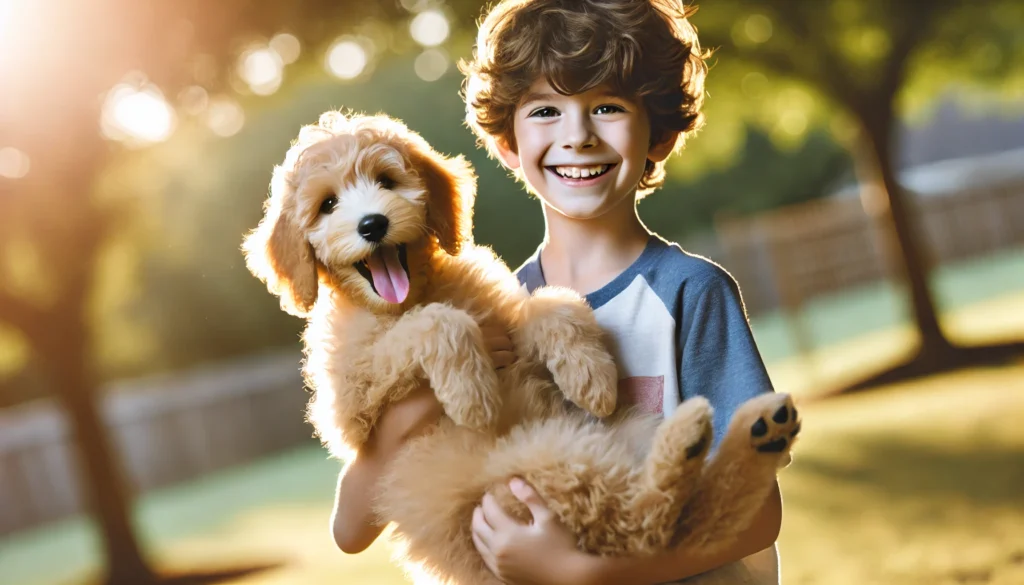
(387, 271)
(580, 173)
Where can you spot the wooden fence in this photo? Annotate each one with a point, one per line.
(165, 430)
(787, 256)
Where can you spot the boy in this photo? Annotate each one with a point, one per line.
(585, 100)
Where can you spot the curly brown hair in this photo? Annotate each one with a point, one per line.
(642, 49)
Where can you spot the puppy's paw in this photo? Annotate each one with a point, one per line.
(587, 375)
(682, 441)
(691, 426)
(772, 422)
(472, 400)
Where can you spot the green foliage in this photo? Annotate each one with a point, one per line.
(853, 51)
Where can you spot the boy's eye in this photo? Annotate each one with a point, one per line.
(609, 109)
(386, 182)
(545, 112)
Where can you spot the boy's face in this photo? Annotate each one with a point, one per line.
(582, 154)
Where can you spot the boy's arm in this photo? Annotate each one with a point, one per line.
(544, 552)
(353, 522)
(680, 563)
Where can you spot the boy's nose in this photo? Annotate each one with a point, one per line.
(578, 136)
(581, 144)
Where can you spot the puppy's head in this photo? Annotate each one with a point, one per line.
(360, 203)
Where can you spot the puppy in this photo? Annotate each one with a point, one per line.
(367, 234)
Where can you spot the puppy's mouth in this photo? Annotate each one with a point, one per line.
(387, 271)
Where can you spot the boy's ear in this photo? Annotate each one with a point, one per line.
(659, 152)
(508, 156)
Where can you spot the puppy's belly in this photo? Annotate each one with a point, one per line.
(429, 492)
(585, 471)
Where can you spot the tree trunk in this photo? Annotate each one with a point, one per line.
(904, 249)
(100, 477)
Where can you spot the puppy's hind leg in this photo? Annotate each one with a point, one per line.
(446, 346)
(560, 330)
(670, 474)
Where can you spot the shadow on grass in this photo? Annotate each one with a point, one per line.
(211, 577)
(901, 469)
(194, 576)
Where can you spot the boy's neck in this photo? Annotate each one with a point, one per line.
(585, 255)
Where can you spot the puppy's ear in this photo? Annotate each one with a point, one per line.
(451, 190)
(277, 253)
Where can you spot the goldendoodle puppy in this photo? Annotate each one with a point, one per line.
(367, 234)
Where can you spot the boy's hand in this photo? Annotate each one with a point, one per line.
(404, 420)
(499, 345)
(541, 553)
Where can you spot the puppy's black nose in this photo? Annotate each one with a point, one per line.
(373, 228)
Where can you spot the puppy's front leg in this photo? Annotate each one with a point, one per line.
(445, 345)
(560, 329)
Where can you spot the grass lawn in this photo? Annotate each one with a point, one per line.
(913, 484)
(919, 483)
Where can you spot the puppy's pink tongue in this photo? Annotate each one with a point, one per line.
(389, 278)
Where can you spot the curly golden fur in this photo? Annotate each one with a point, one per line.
(622, 484)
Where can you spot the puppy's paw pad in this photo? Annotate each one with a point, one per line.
(776, 425)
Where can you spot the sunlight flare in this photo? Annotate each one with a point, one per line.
(137, 116)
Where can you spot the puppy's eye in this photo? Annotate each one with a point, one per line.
(386, 182)
(327, 207)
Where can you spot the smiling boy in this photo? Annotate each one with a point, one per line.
(585, 100)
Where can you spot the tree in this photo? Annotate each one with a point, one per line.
(864, 56)
(58, 58)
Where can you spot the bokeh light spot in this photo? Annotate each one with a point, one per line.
(287, 47)
(429, 28)
(224, 116)
(194, 99)
(347, 58)
(793, 122)
(431, 64)
(262, 70)
(14, 164)
(758, 28)
(415, 5)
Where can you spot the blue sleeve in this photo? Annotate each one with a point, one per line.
(719, 358)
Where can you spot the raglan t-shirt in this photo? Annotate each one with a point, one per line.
(678, 329)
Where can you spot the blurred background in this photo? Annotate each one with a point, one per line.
(861, 175)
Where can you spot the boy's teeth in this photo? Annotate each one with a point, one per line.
(581, 172)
